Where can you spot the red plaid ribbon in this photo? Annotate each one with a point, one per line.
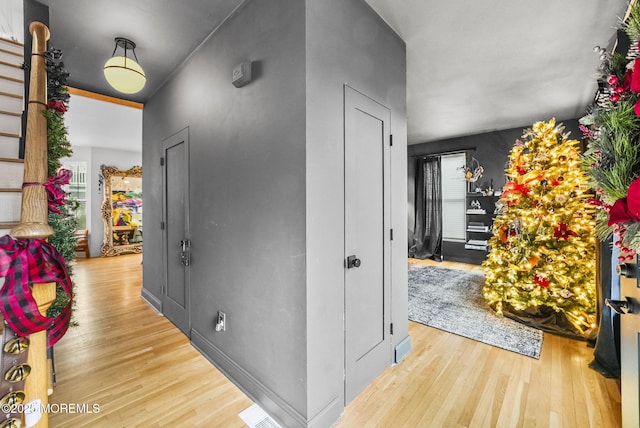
(32, 261)
(55, 195)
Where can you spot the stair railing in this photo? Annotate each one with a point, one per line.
(34, 215)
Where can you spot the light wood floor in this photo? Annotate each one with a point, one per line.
(142, 372)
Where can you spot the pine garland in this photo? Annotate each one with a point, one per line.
(612, 131)
(58, 146)
(632, 24)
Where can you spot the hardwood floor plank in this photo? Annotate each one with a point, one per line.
(143, 372)
(133, 362)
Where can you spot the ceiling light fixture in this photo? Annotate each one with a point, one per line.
(124, 74)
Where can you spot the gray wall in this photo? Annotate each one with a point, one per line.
(247, 172)
(346, 43)
(267, 166)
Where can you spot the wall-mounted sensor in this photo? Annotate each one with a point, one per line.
(241, 74)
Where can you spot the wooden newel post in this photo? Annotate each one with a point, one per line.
(36, 385)
(34, 216)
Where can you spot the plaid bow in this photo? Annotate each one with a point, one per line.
(55, 195)
(32, 261)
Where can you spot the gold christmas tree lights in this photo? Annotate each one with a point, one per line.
(541, 268)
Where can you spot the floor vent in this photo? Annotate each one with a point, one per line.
(255, 417)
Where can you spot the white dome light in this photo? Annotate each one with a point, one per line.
(124, 74)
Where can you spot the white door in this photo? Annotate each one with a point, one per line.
(629, 307)
(367, 241)
(175, 189)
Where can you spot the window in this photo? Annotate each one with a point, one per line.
(454, 188)
(77, 192)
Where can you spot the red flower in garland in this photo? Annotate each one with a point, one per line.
(627, 209)
(635, 77)
(626, 84)
(57, 106)
(513, 187)
(562, 231)
(541, 281)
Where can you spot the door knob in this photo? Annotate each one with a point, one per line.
(620, 307)
(353, 262)
(627, 270)
(185, 255)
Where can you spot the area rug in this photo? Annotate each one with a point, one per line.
(451, 300)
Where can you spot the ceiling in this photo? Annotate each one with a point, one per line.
(472, 66)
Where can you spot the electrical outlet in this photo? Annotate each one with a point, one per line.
(221, 321)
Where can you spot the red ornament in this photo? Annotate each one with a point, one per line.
(594, 201)
(541, 281)
(614, 98)
(562, 231)
(619, 90)
(613, 79)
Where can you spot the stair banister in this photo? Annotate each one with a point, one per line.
(34, 215)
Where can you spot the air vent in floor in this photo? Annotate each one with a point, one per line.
(255, 417)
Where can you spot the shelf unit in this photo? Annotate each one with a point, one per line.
(480, 215)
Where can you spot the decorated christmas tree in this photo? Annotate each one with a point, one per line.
(541, 268)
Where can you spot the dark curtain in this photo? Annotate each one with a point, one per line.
(427, 230)
(607, 349)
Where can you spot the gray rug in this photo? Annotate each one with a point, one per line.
(451, 300)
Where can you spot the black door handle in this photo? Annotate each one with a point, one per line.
(620, 307)
(353, 262)
(627, 270)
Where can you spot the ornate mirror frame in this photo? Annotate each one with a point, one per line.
(108, 247)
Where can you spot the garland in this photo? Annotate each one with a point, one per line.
(60, 218)
(612, 132)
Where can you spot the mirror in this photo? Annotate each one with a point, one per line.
(122, 210)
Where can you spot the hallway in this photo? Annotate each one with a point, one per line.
(142, 372)
(132, 362)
